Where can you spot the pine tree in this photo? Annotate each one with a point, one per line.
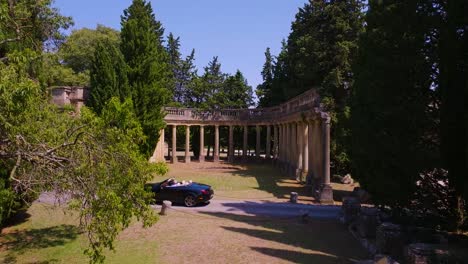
(150, 76)
(264, 90)
(389, 103)
(236, 92)
(108, 76)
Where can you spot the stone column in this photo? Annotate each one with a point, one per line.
(326, 195)
(174, 144)
(310, 175)
(158, 154)
(231, 144)
(201, 157)
(275, 142)
(287, 146)
(305, 151)
(216, 145)
(299, 150)
(257, 146)
(187, 144)
(268, 143)
(244, 143)
(293, 149)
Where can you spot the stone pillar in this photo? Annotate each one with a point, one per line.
(257, 146)
(310, 175)
(187, 144)
(174, 144)
(231, 144)
(287, 146)
(326, 195)
(275, 142)
(280, 143)
(201, 157)
(244, 143)
(268, 143)
(299, 150)
(216, 145)
(305, 151)
(294, 150)
(158, 154)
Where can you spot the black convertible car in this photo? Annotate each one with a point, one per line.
(187, 193)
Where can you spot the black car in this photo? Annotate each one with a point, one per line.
(187, 193)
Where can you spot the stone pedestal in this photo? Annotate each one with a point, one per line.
(367, 222)
(326, 194)
(390, 240)
(350, 209)
(293, 198)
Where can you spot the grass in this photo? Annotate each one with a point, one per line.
(47, 235)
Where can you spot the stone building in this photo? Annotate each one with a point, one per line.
(74, 96)
(297, 134)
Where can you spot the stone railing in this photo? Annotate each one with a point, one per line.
(307, 101)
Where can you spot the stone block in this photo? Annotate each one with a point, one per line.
(368, 221)
(390, 240)
(350, 209)
(326, 194)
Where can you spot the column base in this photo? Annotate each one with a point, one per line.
(326, 194)
(201, 158)
(174, 160)
(187, 159)
(231, 159)
(298, 174)
(216, 158)
(304, 176)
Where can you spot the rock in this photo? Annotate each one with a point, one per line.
(350, 209)
(347, 179)
(361, 194)
(383, 259)
(390, 240)
(165, 205)
(420, 253)
(367, 222)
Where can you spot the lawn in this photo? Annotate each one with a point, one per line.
(48, 235)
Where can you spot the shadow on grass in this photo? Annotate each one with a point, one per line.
(20, 217)
(272, 180)
(329, 241)
(19, 242)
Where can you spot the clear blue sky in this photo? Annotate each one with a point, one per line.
(238, 32)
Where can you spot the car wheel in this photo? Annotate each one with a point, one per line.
(189, 201)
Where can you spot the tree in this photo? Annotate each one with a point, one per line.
(390, 104)
(108, 76)
(184, 71)
(236, 93)
(149, 73)
(92, 160)
(78, 49)
(264, 90)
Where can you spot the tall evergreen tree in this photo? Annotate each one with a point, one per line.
(108, 76)
(236, 92)
(184, 70)
(390, 102)
(264, 90)
(149, 73)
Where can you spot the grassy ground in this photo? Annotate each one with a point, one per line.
(47, 235)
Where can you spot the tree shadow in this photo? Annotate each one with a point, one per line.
(270, 179)
(299, 257)
(19, 242)
(329, 241)
(18, 218)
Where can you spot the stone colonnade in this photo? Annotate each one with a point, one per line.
(297, 136)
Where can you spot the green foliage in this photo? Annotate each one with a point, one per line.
(264, 90)
(390, 104)
(235, 93)
(318, 54)
(57, 74)
(184, 71)
(149, 74)
(108, 76)
(78, 50)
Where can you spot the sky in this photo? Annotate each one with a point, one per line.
(238, 31)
